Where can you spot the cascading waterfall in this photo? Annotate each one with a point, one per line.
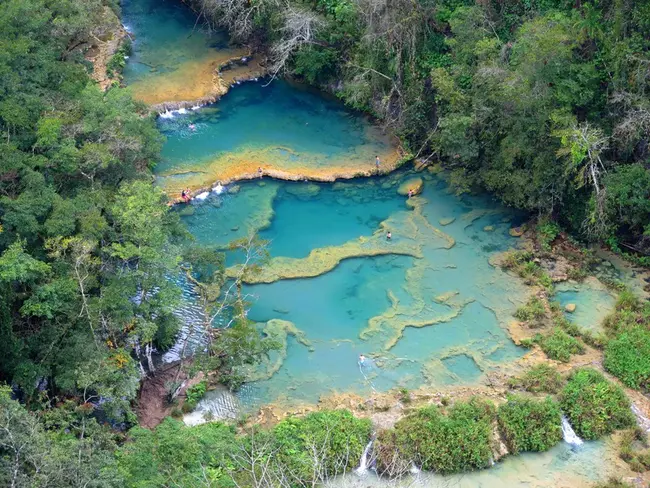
(363, 463)
(568, 434)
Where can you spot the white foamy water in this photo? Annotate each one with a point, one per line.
(363, 463)
(202, 195)
(219, 189)
(568, 434)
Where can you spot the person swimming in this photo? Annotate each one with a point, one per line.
(389, 236)
(192, 127)
(362, 358)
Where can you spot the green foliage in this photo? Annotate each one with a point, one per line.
(116, 64)
(559, 345)
(63, 447)
(178, 455)
(337, 435)
(595, 406)
(547, 230)
(613, 483)
(627, 356)
(534, 309)
(458, 441)
(542, 378)
(530, 425)
(195, 393)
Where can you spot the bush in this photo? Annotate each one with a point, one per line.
(194, 394)
(534, 309)
(627, 356)
(459, 441)
(594, 405)
(547, 231)
(338, 437)
(530, 425)
(539, 379)
(559, 345)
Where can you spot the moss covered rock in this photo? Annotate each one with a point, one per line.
(414, 184)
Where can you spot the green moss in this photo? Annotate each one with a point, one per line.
(613, 483)
(539, 379)
(530, 425)
(559, 345)
(594, 405)
(456, 442)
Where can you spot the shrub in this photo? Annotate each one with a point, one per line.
(459, 441)
(195, 393)
(338, 437)
(534, 309)
(559, 345)
(539, 379)
(627, 356)
(530, 425)
(594, 405)
(547, 231)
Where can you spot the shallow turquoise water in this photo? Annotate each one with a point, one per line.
(333, 309)
(165, 36)
(592, 300)
(269, 125)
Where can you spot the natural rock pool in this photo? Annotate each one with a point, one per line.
(425, 307)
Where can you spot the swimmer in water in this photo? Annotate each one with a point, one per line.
(362, 358)
(192, 127)
(389, 236)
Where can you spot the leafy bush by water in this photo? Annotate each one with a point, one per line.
(534, 309)
(458, 441)
(627, 356)
(176, 455)
(530, 425)
(559, 345)
(195, 393)
(539, 379)
(594, 405)
(337, 436)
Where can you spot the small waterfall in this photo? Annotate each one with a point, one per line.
(414, 469)
(363, 463)
(568, 434)
(218, 189)
(202, 195)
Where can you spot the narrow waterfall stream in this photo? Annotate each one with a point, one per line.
(568, 434)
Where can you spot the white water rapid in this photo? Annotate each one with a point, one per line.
(568, 434)
(363, 463)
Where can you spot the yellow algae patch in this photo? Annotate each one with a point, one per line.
(196, 81)
(279, 331)
(282, 163)
(325, 259)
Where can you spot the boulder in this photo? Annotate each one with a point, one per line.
(570, 307)
(414, 184)
(516, 231)
(234, 189)
(488, 228)
(446, 220)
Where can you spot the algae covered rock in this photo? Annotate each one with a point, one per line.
(414, 184)
(446, 220)
(570, 307)
(234, 189)
(303, 191)
(488, 228)
(516, 231)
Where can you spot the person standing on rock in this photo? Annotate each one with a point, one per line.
(260, 173)
(377, 162)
